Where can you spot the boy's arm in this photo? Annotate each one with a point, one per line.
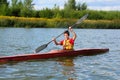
(57, 43)
(74, 34)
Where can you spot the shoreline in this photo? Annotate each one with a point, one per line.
(23, 22)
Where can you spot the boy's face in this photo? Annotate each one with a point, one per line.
(66, 36)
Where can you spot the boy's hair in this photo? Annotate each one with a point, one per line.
(67, 32)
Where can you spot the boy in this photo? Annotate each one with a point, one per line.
(67, 43)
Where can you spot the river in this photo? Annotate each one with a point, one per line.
(14, 41)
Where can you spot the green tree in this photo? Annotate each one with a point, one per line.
(22, 8)
(71, 5)
(81, 6)
(56, 11)
(15, 7)
(84, 6)
(3, 7)
(78, 7)
(46, 13)
(27, 10)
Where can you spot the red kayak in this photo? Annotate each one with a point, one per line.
(60, 53)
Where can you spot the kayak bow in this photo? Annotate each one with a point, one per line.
(62, 53)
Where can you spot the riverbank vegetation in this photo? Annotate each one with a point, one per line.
(6, 21)
(21, 13)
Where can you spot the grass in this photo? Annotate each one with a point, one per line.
(8, 21)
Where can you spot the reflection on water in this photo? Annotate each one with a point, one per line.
(68, 67)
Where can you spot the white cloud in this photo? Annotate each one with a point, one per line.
(102, 4)
(40, 4)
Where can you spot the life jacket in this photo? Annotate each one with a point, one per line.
(68, 44)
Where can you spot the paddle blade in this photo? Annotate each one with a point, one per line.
(41, 48)
(81, 19)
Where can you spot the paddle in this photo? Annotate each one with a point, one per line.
(45, 45)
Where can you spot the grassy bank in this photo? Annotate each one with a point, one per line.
(7, 21)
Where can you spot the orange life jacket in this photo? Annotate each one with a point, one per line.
(68, 44)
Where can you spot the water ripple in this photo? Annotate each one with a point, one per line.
(100, 67)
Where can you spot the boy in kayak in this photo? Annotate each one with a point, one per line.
(67, 43)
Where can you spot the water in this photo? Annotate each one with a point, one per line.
(15, 41)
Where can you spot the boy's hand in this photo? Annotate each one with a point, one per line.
(53, 39)
(70, 28)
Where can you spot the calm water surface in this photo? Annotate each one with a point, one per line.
(15, 41)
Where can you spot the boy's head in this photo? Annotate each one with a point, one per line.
(66, 34)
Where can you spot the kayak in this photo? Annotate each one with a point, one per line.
(52, 54)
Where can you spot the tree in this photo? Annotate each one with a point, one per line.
(84, 6)
(16, 7)
(81, 6)
(3, 7)
(78, 7)
(46, 13)
(27, 10)
(22, 8)
(71, 5)
(56, 11)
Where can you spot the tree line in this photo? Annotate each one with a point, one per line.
(25, 8)
(72, 9)
(21, 13)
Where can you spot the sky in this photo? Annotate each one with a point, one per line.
(92, 4)
(105, 5)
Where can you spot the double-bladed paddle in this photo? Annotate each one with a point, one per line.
(45, 45)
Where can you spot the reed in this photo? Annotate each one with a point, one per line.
(102, 24)
(12, 21)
